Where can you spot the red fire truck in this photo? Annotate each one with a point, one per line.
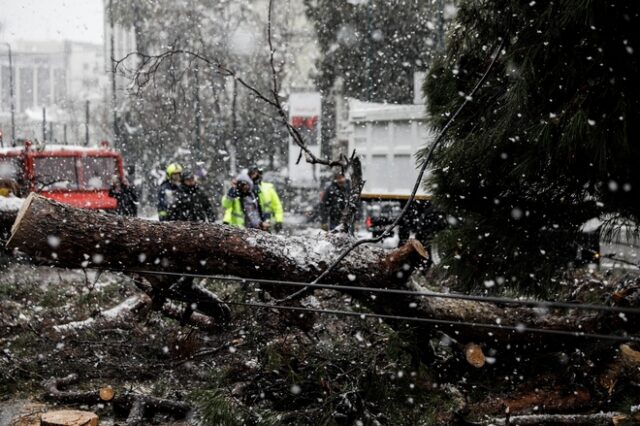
(75, 175)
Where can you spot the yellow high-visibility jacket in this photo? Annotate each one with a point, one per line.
(268, 199)
(270, 202)
(233, 214)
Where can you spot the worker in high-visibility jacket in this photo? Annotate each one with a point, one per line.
(168, 191)
(270, 203)
(241, 206)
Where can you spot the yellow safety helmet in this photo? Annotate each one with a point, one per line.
(173, 168)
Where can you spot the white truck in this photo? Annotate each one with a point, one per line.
(387, 137)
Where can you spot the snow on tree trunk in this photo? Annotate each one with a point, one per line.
(71, 237)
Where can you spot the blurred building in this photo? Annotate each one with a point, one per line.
(119, 41)
(59, 76)
(119, 59)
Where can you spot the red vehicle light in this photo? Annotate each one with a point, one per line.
(369, 222)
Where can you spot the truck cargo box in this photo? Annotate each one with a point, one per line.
(387, 137)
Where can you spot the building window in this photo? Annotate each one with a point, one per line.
(5, 99)
(44, 86)
(26, 88)
(59, 86)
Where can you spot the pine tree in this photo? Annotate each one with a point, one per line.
(549, 141)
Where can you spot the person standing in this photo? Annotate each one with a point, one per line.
(333, 201)
(241, 206)
(125, 195)
(168, 191)
(270, 203)
(192, 205)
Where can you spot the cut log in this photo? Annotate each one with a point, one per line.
(70, 237)
(598, 419)
(69, 418)
(630, 356)
(549, 400)
(627, 364)
(474, 355)
(107, 393)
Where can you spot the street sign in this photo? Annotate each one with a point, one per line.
(305, 115)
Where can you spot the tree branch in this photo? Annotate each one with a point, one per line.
(389, 229)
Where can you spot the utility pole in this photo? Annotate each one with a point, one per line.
(370, 53)
(44, 124)
(440, 38)
(13, 108)
(86, 125)
(234, 136)
(196, 96)
(114, 100)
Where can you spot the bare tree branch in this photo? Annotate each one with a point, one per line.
(150, 64)
(357, 183)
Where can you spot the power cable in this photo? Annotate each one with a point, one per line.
(416, 185)
(489, 299)
(521, 328)
(517, 328)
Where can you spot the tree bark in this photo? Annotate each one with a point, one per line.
(597, 419)
(71, 237)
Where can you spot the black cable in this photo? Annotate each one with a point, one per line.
(490, 299)
(614, 257)
(520, 329)
(386, 232)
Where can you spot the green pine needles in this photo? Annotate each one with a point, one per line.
(550, 140)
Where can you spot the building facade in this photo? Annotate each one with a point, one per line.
(57, 76)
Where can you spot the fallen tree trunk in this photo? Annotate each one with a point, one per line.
(597, 419)
(66, 236)
(72, 237)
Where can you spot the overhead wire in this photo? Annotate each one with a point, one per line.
(417, 183)
(543, 304)
(518, 328)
